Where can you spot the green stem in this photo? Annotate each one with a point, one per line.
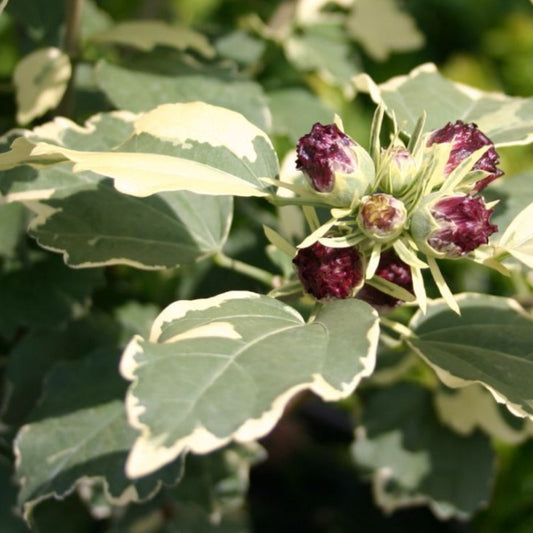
(248, 270)
(71, 46)
(402, 330)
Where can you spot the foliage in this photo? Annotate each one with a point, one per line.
(251, 241)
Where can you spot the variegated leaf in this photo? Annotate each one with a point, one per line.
(224, 368)
(504, 119)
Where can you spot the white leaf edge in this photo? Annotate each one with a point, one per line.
(364, 83)
(147, 454)
(456, 382)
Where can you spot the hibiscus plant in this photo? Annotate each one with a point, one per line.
(214, 239)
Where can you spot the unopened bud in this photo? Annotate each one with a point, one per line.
(466, 139)
(334, 164)
(451, 226)
(381, 217)
(327, 272)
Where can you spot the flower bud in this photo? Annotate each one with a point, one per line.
(327, 272)
(399, 168)
(334, 163)
(393, 269)
(381, 217)
(451, 226)
(466, 139)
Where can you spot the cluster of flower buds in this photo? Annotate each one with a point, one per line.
(394, 213)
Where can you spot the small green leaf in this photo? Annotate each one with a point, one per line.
(504, 119)
(103, 227)
(224, 368)
(382, 28)
(490, 344)
(414, 459)
(146, 34)
(241, 47)
(40, 80)
(324, 49)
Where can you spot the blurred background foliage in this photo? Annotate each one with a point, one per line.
(309, 483)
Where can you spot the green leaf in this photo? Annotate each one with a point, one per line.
(39, 350)
(504, 119)
(12, 222)
(193, 146)
(324, 49)
(294, 111)
(517, 239)
(79, 431)
(241, 47)
(224, 368)
(513, 193)
(382, 28)
(414, 459)
(146, 34)
(121, 86)
(40, 80)
(9, 521)
(490, 344)
(103, 227)
(468, 408)
(218, 481)
(41, 22)
(44, 294)
(3, 5)
(101, 132)
(93, 19)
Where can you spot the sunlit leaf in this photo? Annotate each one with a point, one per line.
(224, 368)
(506, 120)
(383, 28)
(416, 460)
(490, 344)
(194, 146)
(146, 34)
(40, 80)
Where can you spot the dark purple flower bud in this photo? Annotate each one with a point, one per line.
(327, 272)
(393, 269)
(323, 152)
(381, 216)
(452, 226)
(466, 139)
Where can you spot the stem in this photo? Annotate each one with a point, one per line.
(71, 47)
(402, 330)
(244, 268)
